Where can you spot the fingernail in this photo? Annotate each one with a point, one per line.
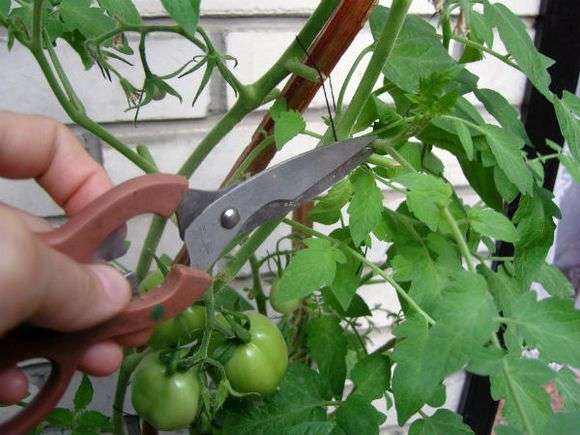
(116, 287)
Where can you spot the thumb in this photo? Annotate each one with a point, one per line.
(46, 288)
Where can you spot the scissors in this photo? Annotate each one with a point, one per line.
(208, 222)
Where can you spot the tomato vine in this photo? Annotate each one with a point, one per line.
(456, 312)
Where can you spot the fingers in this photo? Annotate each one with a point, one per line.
(14, 386)
(41, 148)
(136, 339)
(101, 359)
(45, 287)
(34, 223)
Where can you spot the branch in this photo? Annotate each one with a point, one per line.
(323, 55)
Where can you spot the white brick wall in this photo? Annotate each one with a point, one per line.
(257, 34)
(302, 7)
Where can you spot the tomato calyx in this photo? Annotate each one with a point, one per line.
(236, 326)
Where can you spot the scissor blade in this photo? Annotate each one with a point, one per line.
(270, 194)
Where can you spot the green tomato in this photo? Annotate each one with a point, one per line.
(165, 402)
(287, 307)
(182, 329)
(152, 280)
(258, 366)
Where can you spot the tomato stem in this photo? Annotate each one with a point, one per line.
(257, 285)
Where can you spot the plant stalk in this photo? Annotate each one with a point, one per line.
(257, 285)
(383, 48)
(458, 238)
(68, 106)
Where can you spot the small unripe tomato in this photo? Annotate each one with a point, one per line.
(165, 402)
(182, 329)
(287, 307)
(151, 281)
(258, 366)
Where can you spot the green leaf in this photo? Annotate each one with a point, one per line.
(515, 37)
(481, 28)
(438, 398)
(356, 308)
(89, 22)
(490, 223)
(312, 428)
(501, 109)
(327, 347)
(229, 299)
(471, 53)
(520, 382)
(61, 418)
(417, 53)
(507, 430)
(371, 376)
(479, 178)
(300, 399)
(123, 10)
(569, 388)
(427, 263)
(279, 106)
(366, 207)
(455, 337)
(287, 125)
(94, 420)
(410, 392)
(535, 225)
(328, 209)
(465, 138)
(357, 416)
(310, 269)
(442, 422)
(554, 281)
(346, 283)
(504, 288)
(572, 101)
(572, 167)
(563, 424)
(552, 325)
(506, 188)
(184, 12)
(427, 194)
(207, 73)
(506, 148)
(569, 124)
(4, 8)
(84, 394)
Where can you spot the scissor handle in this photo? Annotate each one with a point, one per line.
(182, 287)
(79, 239)
(81, 236)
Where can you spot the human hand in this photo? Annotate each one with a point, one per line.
(40, 285)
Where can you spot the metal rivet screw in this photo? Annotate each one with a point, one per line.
(230, 218)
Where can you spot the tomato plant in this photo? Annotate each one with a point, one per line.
(454, 310)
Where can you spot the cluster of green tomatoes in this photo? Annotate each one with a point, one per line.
(168, 398)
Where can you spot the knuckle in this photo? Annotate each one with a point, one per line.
(19, 254)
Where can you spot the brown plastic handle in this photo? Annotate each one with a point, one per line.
(79, 239)
(182, 287)
(84, 233)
